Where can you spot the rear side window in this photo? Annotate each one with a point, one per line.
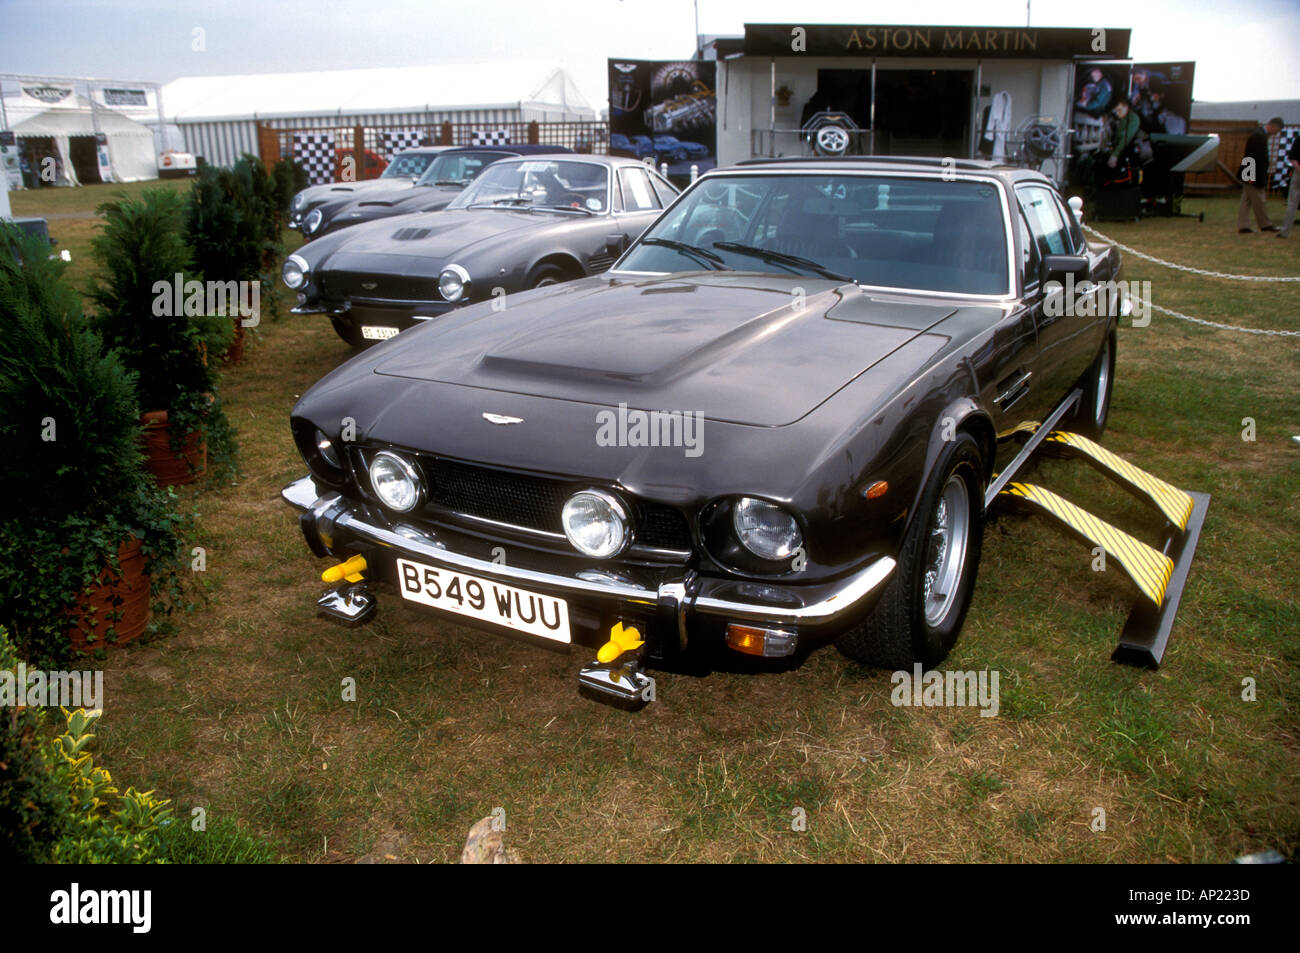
(1029, 258)
(1045, 221)
(638, 196)
(663, 189)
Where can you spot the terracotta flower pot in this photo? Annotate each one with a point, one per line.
(168, 467)
(117, 603)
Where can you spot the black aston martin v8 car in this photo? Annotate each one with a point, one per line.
(399, 175)
(771, 424)
(441, 181)
(523, 223)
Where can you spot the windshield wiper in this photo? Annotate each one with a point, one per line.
(695, 251)
(781, 258)
(497, 203)
(567, 208)
(450, 181)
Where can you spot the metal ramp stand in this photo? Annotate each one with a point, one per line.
(1159, 574)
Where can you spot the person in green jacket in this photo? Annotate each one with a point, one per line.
(1126, 130)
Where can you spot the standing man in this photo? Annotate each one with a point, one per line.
(1254, 177)
(1293, 195)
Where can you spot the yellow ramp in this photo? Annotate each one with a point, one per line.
(1149, 568)
(1173, 502)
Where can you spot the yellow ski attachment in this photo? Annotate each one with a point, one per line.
(1149, 568)
(1173, 502)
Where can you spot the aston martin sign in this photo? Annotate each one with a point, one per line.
(973, 42)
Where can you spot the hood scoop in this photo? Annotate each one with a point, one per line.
(733, 346)
(411, 234)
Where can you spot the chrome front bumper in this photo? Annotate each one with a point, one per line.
(335, 522)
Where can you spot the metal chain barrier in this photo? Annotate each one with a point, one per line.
(1187, 268)
(1267, 332)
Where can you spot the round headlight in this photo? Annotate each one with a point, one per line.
(765, 529)
(299, 201)
(313, 221)
(395, 482)
(294, 272)
(595, 523)
(453, 283)
(329, 453)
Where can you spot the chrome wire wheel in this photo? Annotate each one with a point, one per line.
(946, 546)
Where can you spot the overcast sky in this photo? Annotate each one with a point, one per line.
(1244, 49)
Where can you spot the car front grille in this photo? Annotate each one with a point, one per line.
(349, 284)
(534, 503)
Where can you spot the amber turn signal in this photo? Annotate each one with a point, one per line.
(754, 640)
(876, 490)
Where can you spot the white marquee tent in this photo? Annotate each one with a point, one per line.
(218, 115)
(69, 124)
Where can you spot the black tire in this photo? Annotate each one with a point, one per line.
(348, 331)
(910, 624)
(1098, 382)
(543, 275)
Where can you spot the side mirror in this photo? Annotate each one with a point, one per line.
(615, 243)
(1057, 267)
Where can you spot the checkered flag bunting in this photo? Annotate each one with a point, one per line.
(490, 137)
(314, 151)
(398, 140)
(1281, 176)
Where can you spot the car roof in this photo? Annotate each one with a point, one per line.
(597, 159)
(420, 150)
(896, 164)
(523, 149)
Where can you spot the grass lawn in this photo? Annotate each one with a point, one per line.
(240, 712)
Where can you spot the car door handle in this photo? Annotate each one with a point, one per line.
(1012, 388)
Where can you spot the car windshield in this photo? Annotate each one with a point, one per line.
(458, 167)
(407, 166)
(894, 232)
(540, 183)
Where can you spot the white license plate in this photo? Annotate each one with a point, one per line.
(375, 333)
(484, 599)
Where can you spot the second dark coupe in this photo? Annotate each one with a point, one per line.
(524, 223)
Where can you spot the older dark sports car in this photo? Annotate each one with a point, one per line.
(523, 223)
(399, 175)
(444, 178)
(771, 424)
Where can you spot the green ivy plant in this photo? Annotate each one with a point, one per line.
(73, 486)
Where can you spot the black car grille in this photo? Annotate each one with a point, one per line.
(350, 284)
(535, 503)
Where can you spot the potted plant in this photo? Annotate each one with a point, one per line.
(232, 223)
(146, 310)
(88, 544)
